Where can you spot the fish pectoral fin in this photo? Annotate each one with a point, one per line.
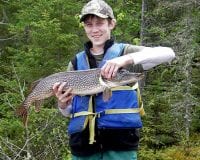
(37, 105)
(107, 94)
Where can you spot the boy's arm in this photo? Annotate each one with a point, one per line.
(148, 57)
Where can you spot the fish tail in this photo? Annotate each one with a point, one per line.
(22, 112)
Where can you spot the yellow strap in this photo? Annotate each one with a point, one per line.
(120, 111)
(92, 128)
(91, 116)
(136, 86)
(142, 112)
(91, 122)
(82, 113)
(110, 111)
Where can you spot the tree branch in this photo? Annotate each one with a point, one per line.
(9, 104)
(2, 23)
(5, 17)
(5, 1)
(21, 88)
(6, 39)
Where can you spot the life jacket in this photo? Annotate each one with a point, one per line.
(122, 110)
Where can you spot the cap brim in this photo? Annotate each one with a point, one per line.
(82, 17)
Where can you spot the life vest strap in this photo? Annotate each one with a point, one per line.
(124, 111)
(82, 113)
(91, 116)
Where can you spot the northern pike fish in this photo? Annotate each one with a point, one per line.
(84, 82)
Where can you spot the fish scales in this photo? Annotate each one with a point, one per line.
(85, 82)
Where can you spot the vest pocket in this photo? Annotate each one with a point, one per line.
(122, 120)
(122, 111)
(78, 123)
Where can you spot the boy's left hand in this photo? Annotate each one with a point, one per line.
(110, 68)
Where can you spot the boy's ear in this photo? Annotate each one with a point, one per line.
(112, 24)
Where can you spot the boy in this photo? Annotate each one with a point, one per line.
(113, 136)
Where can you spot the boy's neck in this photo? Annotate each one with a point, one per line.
(97, 50)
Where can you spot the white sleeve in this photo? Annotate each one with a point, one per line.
(66, 112)
(150, 57)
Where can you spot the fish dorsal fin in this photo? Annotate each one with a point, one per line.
(107, 94)
(33, 85)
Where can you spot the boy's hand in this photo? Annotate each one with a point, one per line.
(64, 97)
(111, 67)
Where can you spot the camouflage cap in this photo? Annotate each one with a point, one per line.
(97, 7)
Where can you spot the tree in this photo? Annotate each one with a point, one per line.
(171, 93)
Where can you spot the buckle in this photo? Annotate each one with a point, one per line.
(101, 113)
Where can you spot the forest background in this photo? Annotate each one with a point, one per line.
(39, 37)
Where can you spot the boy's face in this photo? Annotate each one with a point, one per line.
(98, 30)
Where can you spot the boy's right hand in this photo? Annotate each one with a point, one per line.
(64, 97)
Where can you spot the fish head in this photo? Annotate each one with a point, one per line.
(123, 77)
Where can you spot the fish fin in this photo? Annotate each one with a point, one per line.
(37, 105)
(23, 113)
(107, 94)
(33, 84)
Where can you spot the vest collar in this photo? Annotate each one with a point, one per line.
(91, 58)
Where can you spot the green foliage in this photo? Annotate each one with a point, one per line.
(42, 36)
(128, 20)
(45, 131)
(171, 153)
(43, 42)
(196, 122)
(45, 37)
(171, 94)
(178, 152)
